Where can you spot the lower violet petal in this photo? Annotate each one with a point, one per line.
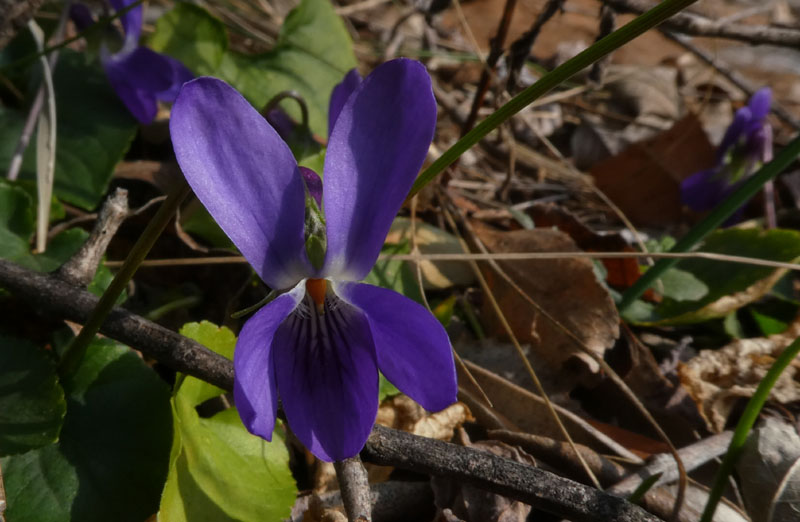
(413, 349)
(327, 377)
(254, 385)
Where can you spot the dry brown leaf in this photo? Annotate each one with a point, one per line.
(526, 411)
(768, 472)
(717, 379)
(566, 288)
(644, 179)
(621, 273)
(442, 424)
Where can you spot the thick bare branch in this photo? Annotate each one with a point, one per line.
(546, 491)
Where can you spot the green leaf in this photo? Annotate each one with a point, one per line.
(218, 471)
(681, 285)
(190, 34)
(32, 402)
(311, 56)
(385, 388)
(730, 286)
(111, 459)
(16, 222)
(94, 132)
(196, 220)
(16, 231)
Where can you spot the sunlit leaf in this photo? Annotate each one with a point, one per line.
(312, 55)
(218, 471)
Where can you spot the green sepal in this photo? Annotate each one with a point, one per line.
(316, 238)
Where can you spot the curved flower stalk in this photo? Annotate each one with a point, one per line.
(140, 76)
(746, 145)
(321, 342)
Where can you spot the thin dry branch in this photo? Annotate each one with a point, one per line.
(354, 486)
(546, 491)
(696, 25)
(81, 267)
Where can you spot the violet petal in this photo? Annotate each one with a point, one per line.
(131, 22)
(81, 16)
(704, 189)
(760, 103)
(413, 349)
(340, 94)
(142, 77)
(377, 147)
(735, 131)
(313, 183)
(254, 385)
(245, 176)
(327, 378)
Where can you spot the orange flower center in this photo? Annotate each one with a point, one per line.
(317, 288)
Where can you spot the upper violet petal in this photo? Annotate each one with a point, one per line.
(377, 147)
(254, 384)
(245, 175)
(327, 378)
(413, 349)
(760, 103)
(81, 16)
(340, 94)
(142, 77)
(131, 22)
(179, 74)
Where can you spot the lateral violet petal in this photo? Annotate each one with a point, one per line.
(413, 349)
(340, 94)
(254, 385)
(246, 177)
(377, 147)
(327, 378)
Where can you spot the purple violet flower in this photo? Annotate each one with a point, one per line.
(321, 342)
(140, 76)
(746, 145)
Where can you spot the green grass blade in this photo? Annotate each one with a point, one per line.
(560, 74)
(744, 426)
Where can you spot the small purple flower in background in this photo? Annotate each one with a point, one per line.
(321, 342)
(140, 76)
(746, 145)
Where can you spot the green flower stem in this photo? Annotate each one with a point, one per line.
(560, 74)
(717, 217)
(744, 426)
(77, 348)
